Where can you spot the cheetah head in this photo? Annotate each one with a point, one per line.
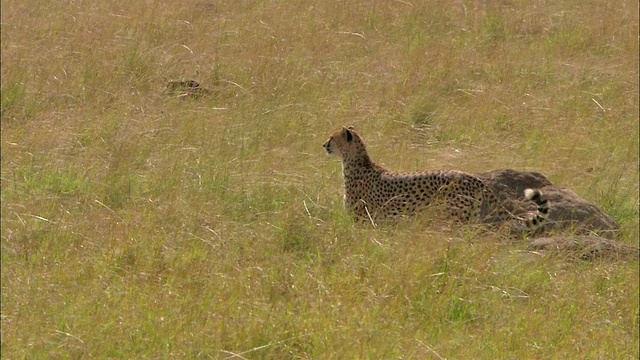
(345, 143)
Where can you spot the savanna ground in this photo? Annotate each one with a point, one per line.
(137, 224)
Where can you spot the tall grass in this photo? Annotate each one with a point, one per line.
(136, 224)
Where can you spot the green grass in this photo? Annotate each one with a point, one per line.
(138, 225)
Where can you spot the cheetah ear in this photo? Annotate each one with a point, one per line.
(348, 133)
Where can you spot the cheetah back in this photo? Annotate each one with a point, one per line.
(453, 194)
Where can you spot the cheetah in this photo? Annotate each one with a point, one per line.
(373, 193)
(184, 88)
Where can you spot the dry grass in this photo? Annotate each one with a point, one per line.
(139, 225)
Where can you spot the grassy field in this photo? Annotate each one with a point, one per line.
(136, 224)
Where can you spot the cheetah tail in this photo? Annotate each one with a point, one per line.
(543, 208)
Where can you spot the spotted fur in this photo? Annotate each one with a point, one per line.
(374, 193)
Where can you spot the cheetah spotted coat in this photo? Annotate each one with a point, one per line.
(374, 193)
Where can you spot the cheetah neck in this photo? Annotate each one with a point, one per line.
(358, 169)
(356, 162)
(356, 176)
